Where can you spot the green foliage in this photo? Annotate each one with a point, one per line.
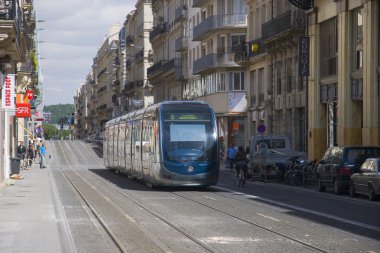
(50, 131)
(59, 111)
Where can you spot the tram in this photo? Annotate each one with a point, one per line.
(173, 143)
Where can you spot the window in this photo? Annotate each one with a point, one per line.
(236, 39)
(329, 48)
(236, 80)
(279, 87)
(357, 40)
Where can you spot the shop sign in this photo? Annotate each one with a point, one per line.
(304, 58)
(22, 110)
(8, 94)
(29, 94)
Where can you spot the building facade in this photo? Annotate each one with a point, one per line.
(344, 83)
(18, 60)
(138, 91)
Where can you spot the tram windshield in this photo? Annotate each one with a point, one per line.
(188, 133)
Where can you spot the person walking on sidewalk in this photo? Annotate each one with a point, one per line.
(30, 154)
(21, 152)
(42, 153)
(231, 155)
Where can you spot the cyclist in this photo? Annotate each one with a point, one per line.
(241, 162)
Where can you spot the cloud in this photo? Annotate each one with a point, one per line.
(73, 32)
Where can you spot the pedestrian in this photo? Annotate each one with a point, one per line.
(21, 150)
(30, 154)
(42, 153)
(231, 155)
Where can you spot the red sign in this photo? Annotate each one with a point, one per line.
(22, 110)
(29, 94)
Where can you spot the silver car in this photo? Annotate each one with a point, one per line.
(367, 180)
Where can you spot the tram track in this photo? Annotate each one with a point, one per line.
(154, 239)
(296, 240)
(287, 237)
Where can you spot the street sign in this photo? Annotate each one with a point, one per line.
(22, 110)
(261, 128)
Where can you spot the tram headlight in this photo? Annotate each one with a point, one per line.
(190, 168)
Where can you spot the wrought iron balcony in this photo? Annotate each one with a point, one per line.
(139, 83)
(129, 86)
(158, 30)
(181, 13)
(286, 22)
(212, 61)
(246, 50)
(219, 22)
(181, 44)
(169, 66)
(155, 68)
(11, 23)
(199, 3)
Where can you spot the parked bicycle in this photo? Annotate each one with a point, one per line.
(309, 174)
(295, 171)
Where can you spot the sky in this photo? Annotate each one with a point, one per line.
(71, 33)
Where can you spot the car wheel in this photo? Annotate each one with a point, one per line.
(321, 188)
(371, 193)
(352, 190)
(337, 188)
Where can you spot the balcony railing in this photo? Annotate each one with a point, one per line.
(11, 11)
(181, 44)
(214, 61)
(219, 22)
(246, 50)
(158, 30)
(283, 23)
(129, 86)
(181, 13)
(139, 83)
(155, 68)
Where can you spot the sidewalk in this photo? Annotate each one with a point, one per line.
(31, 218)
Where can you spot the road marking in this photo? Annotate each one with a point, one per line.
(356, 223)
(209, 198)
(268, 217)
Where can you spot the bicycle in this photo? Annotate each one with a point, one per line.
(241, 174)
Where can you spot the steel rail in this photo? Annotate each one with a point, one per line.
(160, 244)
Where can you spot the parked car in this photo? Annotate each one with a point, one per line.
(367, 180)
(339, 163)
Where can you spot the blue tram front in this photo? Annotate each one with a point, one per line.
(188, 144)
(171, 143)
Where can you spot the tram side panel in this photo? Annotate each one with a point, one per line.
(128, 148)
(121, 147)
(136, 149)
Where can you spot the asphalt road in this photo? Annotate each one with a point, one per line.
(107, 212)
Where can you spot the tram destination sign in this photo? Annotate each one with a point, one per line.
(187, 116)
